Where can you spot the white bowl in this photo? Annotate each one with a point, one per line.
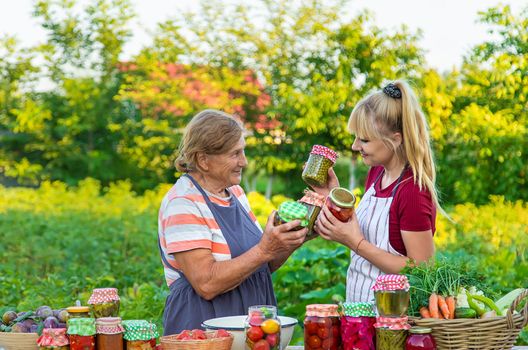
(235, 325)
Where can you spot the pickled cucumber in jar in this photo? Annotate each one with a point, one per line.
(321, 159)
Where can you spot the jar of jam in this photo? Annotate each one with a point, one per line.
(290, 211)
(140, 334)
(82, 333)
(315, 171)
(109, 333)
(392, 295)
(420, 338)
(262, 328)
(322, 327)
(341, 202)
(53, 339)
(357, 326)
(391, 333)
(313, 202)
(104, 302)
(78, 312)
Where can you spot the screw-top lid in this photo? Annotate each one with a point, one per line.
(77, 309)
(312, 198)
(342, 197)
(325, 152)
(103, 295)
(289, 211)
(392, 323)
(81, 326)
(358, 309)
(109, 325)
(391, 282)
(53, 337)
(139, 330)
(322, 310)
(420, 330)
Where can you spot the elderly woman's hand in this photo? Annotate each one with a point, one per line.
(331, 228)
(281, 240)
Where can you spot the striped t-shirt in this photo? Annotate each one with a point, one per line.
(185, 222)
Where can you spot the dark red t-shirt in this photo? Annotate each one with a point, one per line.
(411, 209)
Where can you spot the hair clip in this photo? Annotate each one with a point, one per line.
(392, 90)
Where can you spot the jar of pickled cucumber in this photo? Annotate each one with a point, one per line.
(290, 211)
(341, 202)
(104, 302)
(53, 339)
(109, 333)
(357, 326)
(391, 333)
(82, 333)
(322, 328)
(315, 171)
(140, 334)
(313, 202)
(262, 328)
(392, 295)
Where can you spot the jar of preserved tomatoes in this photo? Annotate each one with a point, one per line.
(104, 302)
(82, 333)
(313, 202)
(78, 312)
(357, 326)
(109, 333)
(420, 338)
(392, 295)
(322, 327)
(341, 202)
(53, 339)
(140, 334)
(391, 333)
(262, 328)
(290, 211)
(315, 171)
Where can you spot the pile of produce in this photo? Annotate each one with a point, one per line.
(33, 321)
(198, 334)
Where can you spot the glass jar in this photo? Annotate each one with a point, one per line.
(82, 333)
(82, 342)
(357, 326)
(420, 338)
(141, 344)
(104, 302)
(322, 327)
(341, 202)
(53, 339)
(321, 159)
(290, 211)
(313, 202)
(109, 333)
(390, 339)
(262, 328)
(392, 295)
(140, 334)
(78, 312)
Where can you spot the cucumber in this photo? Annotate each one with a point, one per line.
(465, 312)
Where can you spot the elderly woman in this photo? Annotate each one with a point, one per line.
(217, 259)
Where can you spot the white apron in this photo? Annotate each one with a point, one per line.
(373, 217)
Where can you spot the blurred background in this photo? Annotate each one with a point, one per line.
(94, 96)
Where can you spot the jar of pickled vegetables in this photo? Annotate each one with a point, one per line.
(78, 312)
(420, 338)
(315, 171)
(104, 302)
(391, 333)
(341, 202)
(109, 333)
(140, 335)
(357, 326)
(82, 333)
(392, 295)
(313, 202)
(53, 339)
(322, 327)
(262, 328)
(290, 211)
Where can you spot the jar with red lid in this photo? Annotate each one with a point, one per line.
(321, 159)
(53, 339)
(109, 333)
(82, 333)
(420, 338)
(392, 295)
(341, 202)
(104, 302)
(391, 333)
(313, 202)
(322, 329)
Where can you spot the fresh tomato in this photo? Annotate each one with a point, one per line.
(314, 342)
(270, 326)
(262, 344)
(272, 339)
(254, 333)
(222, 333)
(198, 334)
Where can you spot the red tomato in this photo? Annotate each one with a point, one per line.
(314, 342)
(272, 339)
(261, 345)
(311, 328)
(327, 323)
(198, 334)
(323, 333)
(335, 331)
(222, 333)
(328, 343)
(254, 333)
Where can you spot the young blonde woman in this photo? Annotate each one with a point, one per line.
(395, 220)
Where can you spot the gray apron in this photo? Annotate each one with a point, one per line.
(185, 309)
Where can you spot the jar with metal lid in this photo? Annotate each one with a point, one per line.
(78, 312)
(109, 333)
(321, 159)
(53, 339)
(357, 326)
(391, 333)
(82, 333)
(290, 211)
(392, 295)
(420, 338)
(341, 202)
(140, 334)
(322, 327)
(262, 328)
(104, 302)
(313, 202)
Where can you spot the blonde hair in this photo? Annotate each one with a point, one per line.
(378, 115)
(209, 132)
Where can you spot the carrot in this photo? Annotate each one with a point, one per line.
(442, 305)
(433, 305)
(451, 304)
(424, 311)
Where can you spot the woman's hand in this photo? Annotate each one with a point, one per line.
(332, 182)
(331, 228)
(281, 240)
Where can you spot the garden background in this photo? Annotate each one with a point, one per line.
(84, 165)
